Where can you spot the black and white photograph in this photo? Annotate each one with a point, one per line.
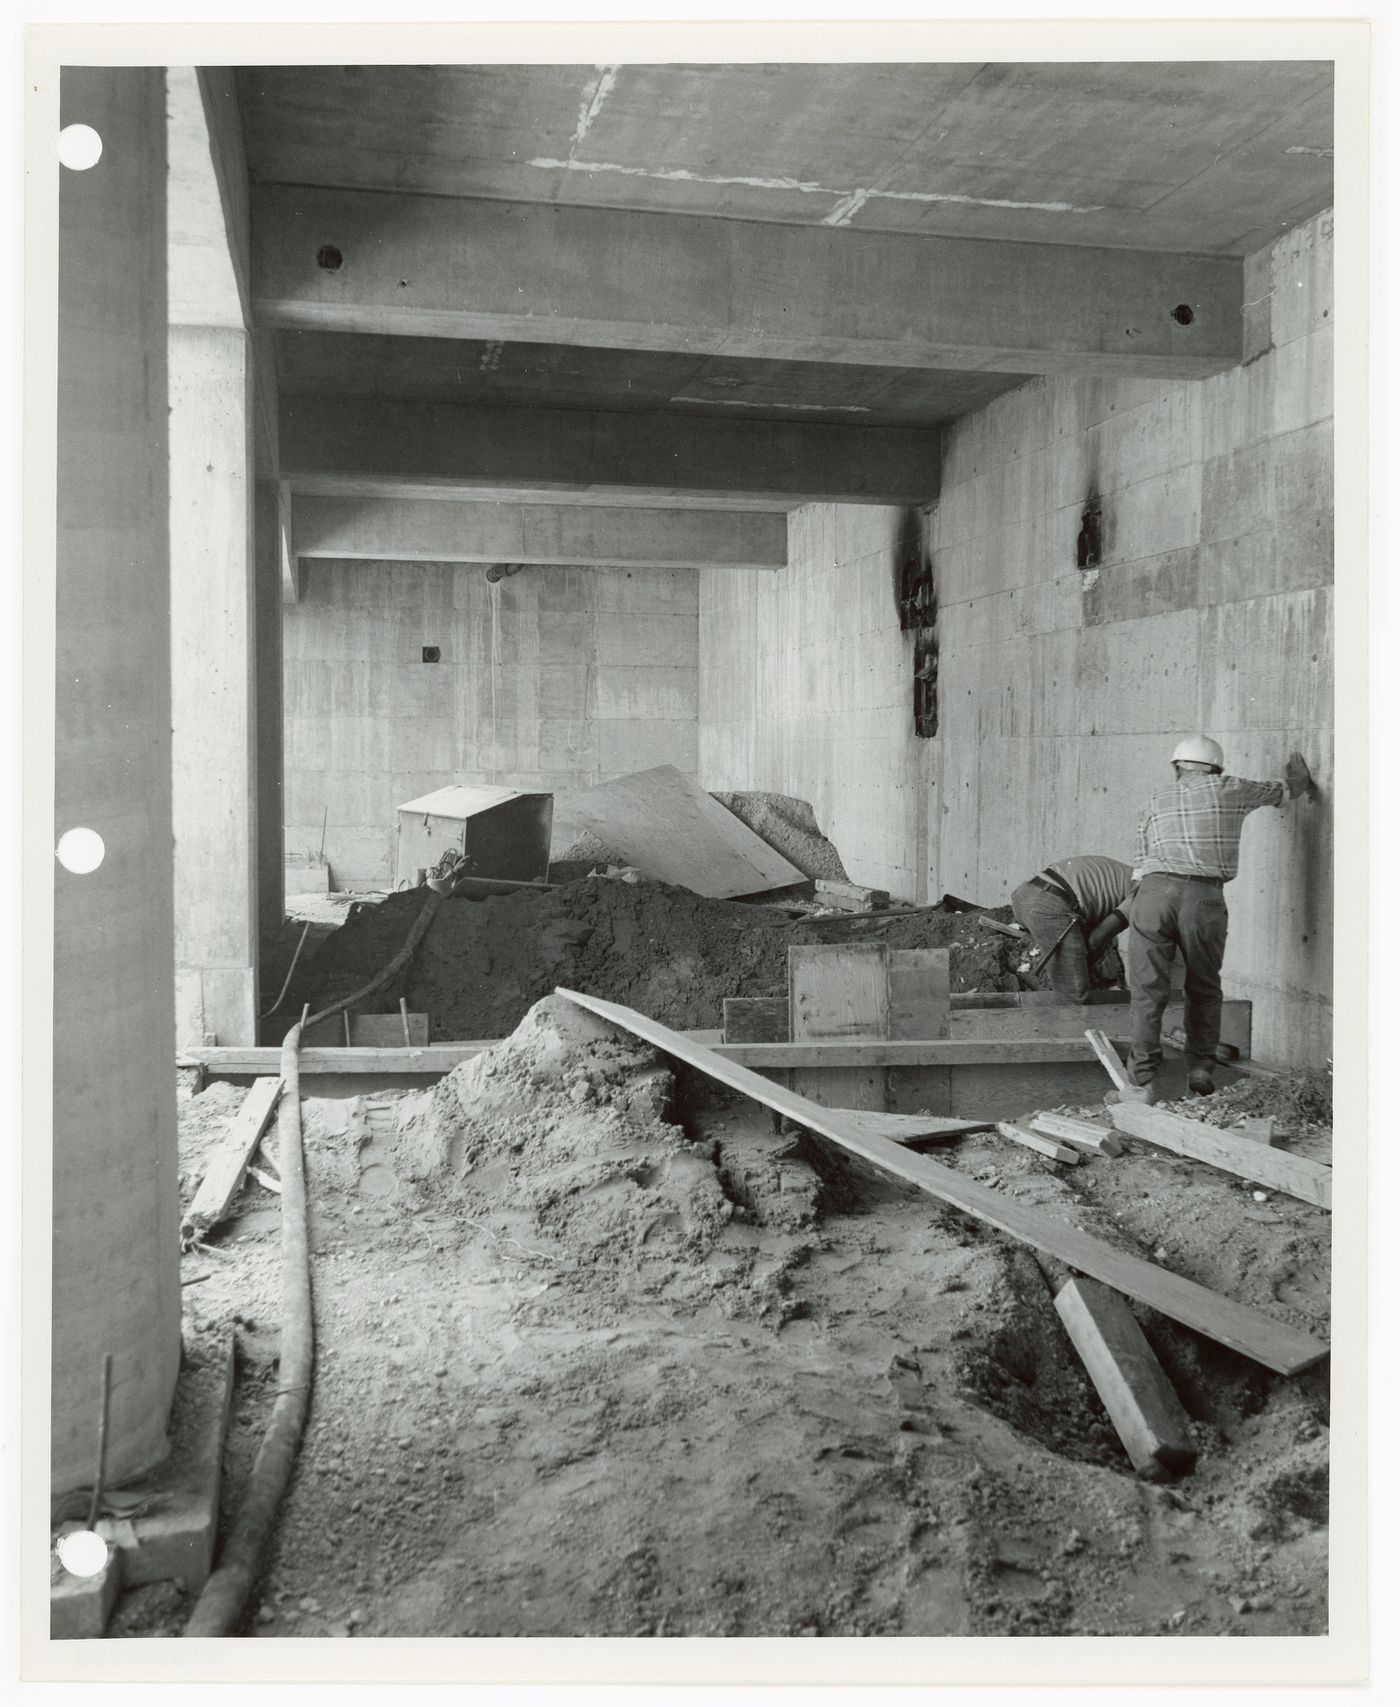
(695, 767)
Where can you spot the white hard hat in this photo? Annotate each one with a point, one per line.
(1200, 749)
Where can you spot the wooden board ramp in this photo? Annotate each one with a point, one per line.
(666, 825)
(1238, 1326)
(230, 1160)
(1246, 1158)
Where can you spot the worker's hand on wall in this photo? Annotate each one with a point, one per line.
(1297, 775)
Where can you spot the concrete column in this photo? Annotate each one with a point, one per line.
(267, 555)
(213, 626)
(116, 1265)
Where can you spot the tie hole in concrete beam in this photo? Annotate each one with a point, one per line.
(328, 258)
(1183, 314)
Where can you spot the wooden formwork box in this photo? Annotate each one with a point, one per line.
(502, 832)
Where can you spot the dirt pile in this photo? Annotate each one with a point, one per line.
(662, 950)
(559, 1141)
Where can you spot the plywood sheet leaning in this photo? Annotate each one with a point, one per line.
(229, 1163)
(840, 993)
(665, 824)
(1244, 1157)
(1238, 1326)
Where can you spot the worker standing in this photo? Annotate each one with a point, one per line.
(1072, 911)
(1188, 848)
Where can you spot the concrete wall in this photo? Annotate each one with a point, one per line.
(1063, 691)
(552, 679)
(116, 1261)
(806, 688)
(213, 618)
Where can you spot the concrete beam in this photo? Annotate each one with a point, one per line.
(654, 453)
(409, 530)
(432, 266)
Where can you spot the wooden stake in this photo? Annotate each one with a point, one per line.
(1108, 1056)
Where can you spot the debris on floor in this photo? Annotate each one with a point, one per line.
(598, 1359)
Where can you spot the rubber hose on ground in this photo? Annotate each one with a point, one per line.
(220, 1605)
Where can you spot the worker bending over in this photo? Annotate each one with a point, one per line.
(1188, 848)
(1073, 910)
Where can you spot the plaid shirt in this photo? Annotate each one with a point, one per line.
(1191, 828)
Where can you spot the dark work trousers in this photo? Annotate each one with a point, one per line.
(1170, 913)
(1045, 915)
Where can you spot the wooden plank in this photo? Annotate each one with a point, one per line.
(367, 1031)
(1083, 1134)
(665, 824)
(1057, 1018)
(1139, 1399)
(907, 1128)
(756, 1019)
(1108, 1055)
(1244, 1157)
(1244, 1329)
(919, 1009)
(384, 1031)
(850, 897)
(443, 1057)
(919, 998)
(230, 1160)
(838, 992)
(928, 1052)
(1034, 1141)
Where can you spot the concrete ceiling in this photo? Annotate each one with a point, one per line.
(1200, 163)
(1211, 156)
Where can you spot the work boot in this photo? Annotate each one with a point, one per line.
(1200, 1081)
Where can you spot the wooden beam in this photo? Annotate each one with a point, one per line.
(443, 1057)
(1034, 1141)
(1244, 1157)
(621, 279)
(1082, 1134)
(230, 1160)
(1244, 1329)
(1136, 1394)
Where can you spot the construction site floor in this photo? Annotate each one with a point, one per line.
(584, 1371)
